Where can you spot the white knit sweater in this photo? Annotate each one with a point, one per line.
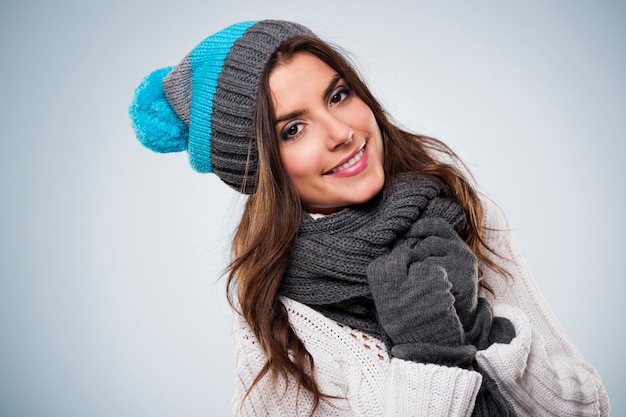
(540, 372)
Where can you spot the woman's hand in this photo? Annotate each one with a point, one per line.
(414, 294)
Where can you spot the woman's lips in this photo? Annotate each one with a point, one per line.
(352, 165)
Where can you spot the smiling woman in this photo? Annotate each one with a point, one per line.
(331, 149)
(370, 276)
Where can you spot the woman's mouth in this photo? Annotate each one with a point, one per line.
(352, 166)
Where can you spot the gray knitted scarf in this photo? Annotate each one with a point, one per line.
(328, 267)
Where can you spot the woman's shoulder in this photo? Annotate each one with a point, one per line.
(494, 218)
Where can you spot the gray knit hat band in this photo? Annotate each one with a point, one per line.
(213, 90)
(234, 149)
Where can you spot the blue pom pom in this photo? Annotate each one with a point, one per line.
(156, 124)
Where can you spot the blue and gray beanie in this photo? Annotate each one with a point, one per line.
(205, 104)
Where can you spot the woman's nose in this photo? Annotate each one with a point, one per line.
(339, 133)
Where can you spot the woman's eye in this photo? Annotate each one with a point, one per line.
(339, 95)
(291, 131)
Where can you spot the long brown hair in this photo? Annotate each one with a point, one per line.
(263, 240)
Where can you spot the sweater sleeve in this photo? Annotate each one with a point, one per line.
(540, 372)
(418, 389)
(353, 367)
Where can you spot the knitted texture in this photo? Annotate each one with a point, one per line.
(540, 371)
(209, 99)
(412, 289)
(356, 369)
(395, 269)
(327, 268)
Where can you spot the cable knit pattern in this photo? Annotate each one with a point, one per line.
(540, 371)
(355, 367)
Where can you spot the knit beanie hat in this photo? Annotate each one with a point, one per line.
(206, 103)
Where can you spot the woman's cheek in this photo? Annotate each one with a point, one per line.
(299, 160)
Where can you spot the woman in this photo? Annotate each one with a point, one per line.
(369, 276)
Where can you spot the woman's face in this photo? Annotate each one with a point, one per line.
(330, 143)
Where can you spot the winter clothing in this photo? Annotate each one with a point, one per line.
(396, 268)
(205, 104)
(539, 372)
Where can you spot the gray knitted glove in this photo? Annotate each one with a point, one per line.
(411, 288)
(440, 245)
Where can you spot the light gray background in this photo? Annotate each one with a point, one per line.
(110, 303)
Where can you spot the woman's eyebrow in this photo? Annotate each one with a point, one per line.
(333, 83)
(292, 115)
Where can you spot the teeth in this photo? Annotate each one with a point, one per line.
(351, 162)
